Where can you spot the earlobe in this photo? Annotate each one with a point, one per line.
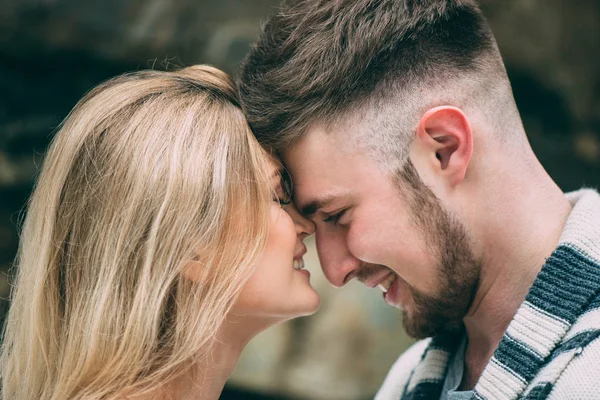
(445, 134)
(194, 271)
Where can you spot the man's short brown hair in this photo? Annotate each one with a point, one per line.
(318, 58)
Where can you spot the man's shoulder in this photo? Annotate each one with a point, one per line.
(397, 378)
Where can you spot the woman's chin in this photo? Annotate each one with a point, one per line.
(278, 305)
(302, 306)
(309, 307)
(310, 302)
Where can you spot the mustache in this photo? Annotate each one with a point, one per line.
(367, 271)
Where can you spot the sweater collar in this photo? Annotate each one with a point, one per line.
(566, 284)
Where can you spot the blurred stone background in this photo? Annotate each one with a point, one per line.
(53, 51)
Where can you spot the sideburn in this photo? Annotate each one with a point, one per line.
(457, 269)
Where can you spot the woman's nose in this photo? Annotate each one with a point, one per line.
(304, 226)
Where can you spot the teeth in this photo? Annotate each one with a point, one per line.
(298, 264)
(385, 285)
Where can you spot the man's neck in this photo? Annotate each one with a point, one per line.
(517, 239)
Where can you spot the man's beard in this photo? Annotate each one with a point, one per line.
(457, 270)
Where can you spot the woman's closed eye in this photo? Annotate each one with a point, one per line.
(283, 190)
(281, 198)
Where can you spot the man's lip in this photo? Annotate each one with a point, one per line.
(371, 283)
(391, 295)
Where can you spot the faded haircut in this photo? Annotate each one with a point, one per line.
(322, 61)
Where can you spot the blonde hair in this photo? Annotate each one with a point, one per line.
(150, 173)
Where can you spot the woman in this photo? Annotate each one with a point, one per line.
(158, 241)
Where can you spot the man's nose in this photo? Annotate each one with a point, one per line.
(338, 264)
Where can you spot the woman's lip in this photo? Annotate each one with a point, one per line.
(304, 271)
(300, 254)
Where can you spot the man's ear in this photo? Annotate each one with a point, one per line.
(445, 139)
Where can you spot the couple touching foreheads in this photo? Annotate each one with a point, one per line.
(166, 227)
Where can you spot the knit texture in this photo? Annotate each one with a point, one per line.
(551, 348)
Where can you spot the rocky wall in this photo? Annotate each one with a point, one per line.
(53, 51)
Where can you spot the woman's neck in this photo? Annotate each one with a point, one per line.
(206, 379)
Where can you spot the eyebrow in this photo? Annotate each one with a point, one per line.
(315, 205)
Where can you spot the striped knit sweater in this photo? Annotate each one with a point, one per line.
(551, 349)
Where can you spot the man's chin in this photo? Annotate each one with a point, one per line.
(412, 329)
(416, 330)
(419, 327)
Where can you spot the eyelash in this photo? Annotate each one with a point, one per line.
(334, 218)
(281, 201)
(285, 197)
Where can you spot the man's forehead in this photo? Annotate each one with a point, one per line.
(314, 168)
(313, 186)
(317, 147)
(322, 166)
(317, 185)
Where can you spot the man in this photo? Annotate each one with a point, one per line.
(398, 125)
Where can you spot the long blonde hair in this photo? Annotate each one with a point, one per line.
(150, 173)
